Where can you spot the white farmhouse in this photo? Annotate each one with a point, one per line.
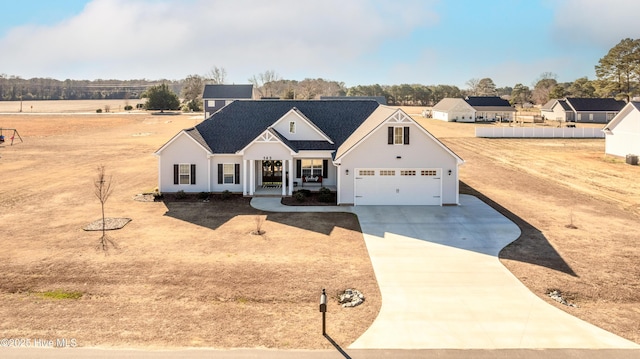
(368, 153)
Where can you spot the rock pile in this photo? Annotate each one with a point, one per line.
(557, 296)
(351, 298)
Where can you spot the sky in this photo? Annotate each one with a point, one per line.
(358, 42)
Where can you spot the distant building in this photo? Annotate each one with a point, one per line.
(218, 96)
(473, 109)
(587, 110)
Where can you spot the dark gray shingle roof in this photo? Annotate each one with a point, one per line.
(486, 101)
(595, 104)
(222, 91)
(236, 125)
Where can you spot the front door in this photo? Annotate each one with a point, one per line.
(272, 173)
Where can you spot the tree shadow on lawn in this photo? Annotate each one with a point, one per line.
(532, 246)
(217, 211)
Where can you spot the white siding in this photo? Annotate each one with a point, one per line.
(304, 131)
(625, 137)
(230, 159)
(422, 152)
(183, 149)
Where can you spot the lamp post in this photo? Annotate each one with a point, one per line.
(323, 310)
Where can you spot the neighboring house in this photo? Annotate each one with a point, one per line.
(491, 108)
(370, 154)
(217, 96)
(453, 110)
(622, 133)
(557, 110)
(586, 110)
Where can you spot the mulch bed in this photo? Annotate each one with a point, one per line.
(109, 224)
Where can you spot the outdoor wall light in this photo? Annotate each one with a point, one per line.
(449, 172)
(346, 171)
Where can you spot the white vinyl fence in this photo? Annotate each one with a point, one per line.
(539, 132)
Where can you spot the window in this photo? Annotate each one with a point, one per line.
(428, 172)
(610, 116)
(366, 172)
(408, 173)
(590, 117)
(398, 136)
(312, 167)
(387, 173)
(228, 173)
(184, 173)
(292, 127)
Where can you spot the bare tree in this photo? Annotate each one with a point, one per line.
(217, 75)
(263, 82)
(102, 190)
(473, 86)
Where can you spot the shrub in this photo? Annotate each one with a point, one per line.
(128, 108)
(324, 190)
(225, 194)
(325, 197)
(203, 195)
(305, 192)
(99, 110)
(181, 195)
(299, 196)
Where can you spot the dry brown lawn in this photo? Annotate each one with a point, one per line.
(190, 274)
(187, 273)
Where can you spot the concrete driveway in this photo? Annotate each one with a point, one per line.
(443, 286)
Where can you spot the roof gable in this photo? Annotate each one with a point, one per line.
(631, 107)
(233, 127)
(450, 104)
(382, 116)
(221, 91)
(304, 129)
(191, 133)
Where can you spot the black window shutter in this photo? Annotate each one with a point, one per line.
(298, 168)
(325, 168)
(237, 172)
(193, 174)
(390, 136)
(219, 173)
(406, 135)
(176, 174)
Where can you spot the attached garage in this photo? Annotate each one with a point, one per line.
(398, 186)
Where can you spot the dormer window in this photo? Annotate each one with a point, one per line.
(292, 127)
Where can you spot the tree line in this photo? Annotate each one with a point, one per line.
(618, 76)
(15, 88)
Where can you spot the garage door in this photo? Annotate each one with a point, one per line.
(398, 186)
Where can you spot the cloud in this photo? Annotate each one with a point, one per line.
(171, 39)
(599, 23)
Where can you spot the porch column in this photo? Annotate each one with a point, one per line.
(290, 184)
(252, 177)
(244, 177)
(284, 178)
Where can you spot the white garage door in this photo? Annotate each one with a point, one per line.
(398, 186)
